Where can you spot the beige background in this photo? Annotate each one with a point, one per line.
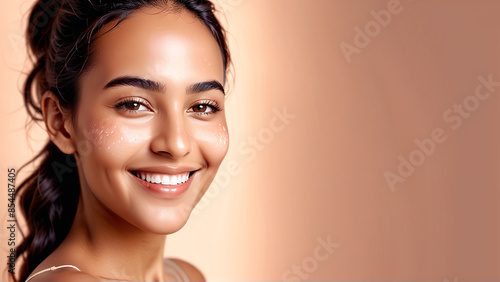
(322, 176)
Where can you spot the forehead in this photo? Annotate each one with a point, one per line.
(173, 44)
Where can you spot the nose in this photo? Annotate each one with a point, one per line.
(171, 138)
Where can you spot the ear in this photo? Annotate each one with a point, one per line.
(58, 123)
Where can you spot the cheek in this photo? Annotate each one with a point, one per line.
(112, 137)
(214, 140)
(222, 138)
(103, 135)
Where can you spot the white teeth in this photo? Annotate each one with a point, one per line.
(164, 179)
(157, 179)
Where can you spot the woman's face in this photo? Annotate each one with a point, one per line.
(151, 107)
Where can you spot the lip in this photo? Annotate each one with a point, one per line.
(162, 190)
(166, 169)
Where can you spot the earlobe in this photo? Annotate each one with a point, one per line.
(56, 122)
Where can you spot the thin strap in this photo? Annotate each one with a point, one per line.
(175, 270)
(51, 269)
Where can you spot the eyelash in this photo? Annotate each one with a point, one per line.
(121, 105)
(210, 103)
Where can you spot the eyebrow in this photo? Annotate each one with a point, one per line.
(145, 84)
(154, 86)
(205, 86)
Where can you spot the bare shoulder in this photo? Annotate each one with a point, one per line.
(64, 274)
(193, 273)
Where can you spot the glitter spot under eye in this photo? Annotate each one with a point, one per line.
(223, 137)
(98, 135)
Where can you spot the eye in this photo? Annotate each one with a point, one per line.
(133, 105)
(207, 107)
(202, 108)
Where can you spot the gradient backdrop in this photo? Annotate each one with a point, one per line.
(364, 142)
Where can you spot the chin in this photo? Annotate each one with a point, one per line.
(165, 223)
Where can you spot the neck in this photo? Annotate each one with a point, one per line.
(118, 250)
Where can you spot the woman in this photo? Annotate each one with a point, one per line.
(132, 97)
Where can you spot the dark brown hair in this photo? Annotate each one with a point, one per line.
(60, 34)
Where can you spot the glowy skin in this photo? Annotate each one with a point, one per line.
(154, 131)
(126, 126)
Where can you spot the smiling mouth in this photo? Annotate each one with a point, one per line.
(163, 179)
